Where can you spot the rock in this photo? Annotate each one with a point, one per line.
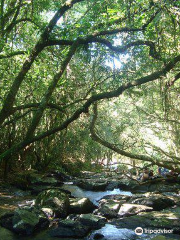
(154, 186)
(79, 227)
(71, 229)
(109, 208)
(167, 237)
(152, 220)
(98, 236)
(107, 213)
(5, 234)
(156, 201)
(6, 221)
(38, 179)
(161, 237)
(59, 175)
(48, 212)
(132, 209)
(92, 221)
(119, 197)
(112, 185)
(92, 185)
(110, 232)
(55, 200)
(124, 184)
(81, 205)
(35, 190)
(25, 221)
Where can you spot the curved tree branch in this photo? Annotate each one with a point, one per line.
(113, 147)
(94, 98)
(12, 54)
(117, 49)
(9, 101)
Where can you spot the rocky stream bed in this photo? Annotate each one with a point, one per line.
(96, 206)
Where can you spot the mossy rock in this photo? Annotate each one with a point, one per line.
(56, 200)
(155, 220)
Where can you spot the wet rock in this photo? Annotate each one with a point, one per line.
(81, 205)
(55, 200)
(98, 236)
(92, 221)
(156, 201)
(112, 232)
(132, 209)
(69, 228)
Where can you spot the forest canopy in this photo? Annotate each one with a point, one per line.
(82, 80)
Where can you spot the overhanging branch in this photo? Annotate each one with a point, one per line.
(94, 98)
(113, 147)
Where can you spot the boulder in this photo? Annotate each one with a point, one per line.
(162, 237)
(48, 212)
(156, 201)
(25, 221)
(6, 234)
(119, 197)
(92, 221)
(98, 236)
(69, 228)
(124, 184)
(54, 199)
(6, 220)
(79, 227)
(59, 175)
(153, 186)
(81, 205)
(38, 179)
(153, 220)
(109, 208)
(132, 209)
(106, 212)
(92, 185)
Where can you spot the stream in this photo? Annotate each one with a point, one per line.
(92, 195)
(110, 232)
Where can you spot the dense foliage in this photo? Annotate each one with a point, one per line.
(57, 58)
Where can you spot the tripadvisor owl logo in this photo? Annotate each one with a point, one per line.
(139, 231)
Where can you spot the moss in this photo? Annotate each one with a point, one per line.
(46, 196)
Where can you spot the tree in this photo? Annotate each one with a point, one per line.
(81, 34)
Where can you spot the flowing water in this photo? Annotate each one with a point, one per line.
(109, 231)
(76, 192)
(93, 196)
